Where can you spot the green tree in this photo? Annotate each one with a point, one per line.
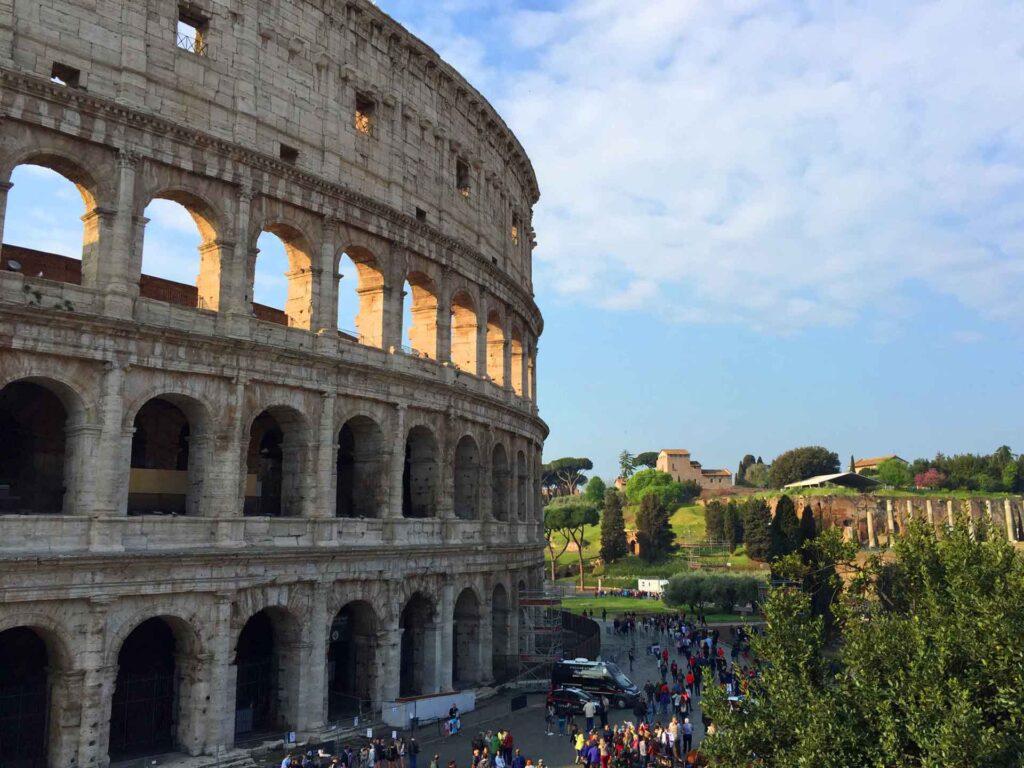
(653, 532)
(647, 459)
(808, 526)
(594, 490)
(1011, 477)
(689, 589)
(554, 534)
(627, 465)
(728, 591)
(900, 688)
(732, 526)
(613, 528)
(741, 472)
(757, 518)
(714, 520)
(563, 477)
(756, 475)
(802, 463)
(784, 529)
(574, 514)
(894, 473)
(671, 493)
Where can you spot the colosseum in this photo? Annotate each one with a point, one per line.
(220, 521)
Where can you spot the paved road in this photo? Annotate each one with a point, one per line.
(527, 725)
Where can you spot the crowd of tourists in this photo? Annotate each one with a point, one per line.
(375, 753)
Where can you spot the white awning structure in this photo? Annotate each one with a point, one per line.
(843, 479)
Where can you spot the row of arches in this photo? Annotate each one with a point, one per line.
(160, 692)
(172, 453)
(183, 251)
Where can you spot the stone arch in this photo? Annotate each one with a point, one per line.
(418, 658)
(466, 469)
(151, 710)
(420, 477)
(83, 270)
(266, 660)
(501, 628)
(370, 290)
(464, 332)
(466, 667)
(43, 453)
(500, 483)
(495, 348)
(522, 486)
(299, 306)
(169, 454)
(423, 304)
(278, 463)
(518, 359)
(209, 221)
(361, 468)
(352, 647)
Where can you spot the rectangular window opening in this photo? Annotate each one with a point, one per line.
(462, 177)
(192, 31)
(421, 215)
(64, 75)
(365, 107)
(515, 228)
(289, 154)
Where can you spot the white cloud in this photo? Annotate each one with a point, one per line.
(774, 164)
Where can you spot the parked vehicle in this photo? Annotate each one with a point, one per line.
(598, 678)
(566, 700)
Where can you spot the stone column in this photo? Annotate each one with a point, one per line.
(532, 365)
(223, 675)
(224, 484)
(5, 186)
(110, 472)
(481, 339)
(97, 691)
(485, 644)
(444, 330)
(506, 356)
(513, 486)
(910, 509)
(512, 644)
(988, 511)
(396, 470)
(193, 694)
(236, 270)
(326, 282)
(67, 690)
(312, 688)
(79, 466)
(6, 33)
(389, 665)
(949, 511)
(890, 522)
(394, 296)
(929, 512)
(1008, 518)
(872, 539)
(118, 267)
(327, 459)
(444, 636)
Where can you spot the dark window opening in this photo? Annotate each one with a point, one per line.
(462, 177)
(64, 75)
(421, 215)
(289, 154)
(192, 31)
(365, 107)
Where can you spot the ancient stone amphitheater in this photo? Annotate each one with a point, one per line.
(220, 522)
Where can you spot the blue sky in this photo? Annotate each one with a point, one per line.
(762, 224)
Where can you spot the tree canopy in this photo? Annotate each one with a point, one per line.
(894, 473)
(928, 668)
(756, 521)
(756, 475)
(672, 494)
(802, 463)
(569, 516)
(653, 532)
(627, 464)
(647, 459)
(613, 527)
(1000, 470)
(594, 490)
(698, 590)
(563, 477)
(784, 530)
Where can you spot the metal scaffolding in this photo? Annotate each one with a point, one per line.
(540, 634)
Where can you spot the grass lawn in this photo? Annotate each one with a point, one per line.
(619, 605)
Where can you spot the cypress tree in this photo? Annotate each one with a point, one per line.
(808, 526)
(652, 529)
(613, 527)
(784, 531)
(756, 519)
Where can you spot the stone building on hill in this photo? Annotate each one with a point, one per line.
(222, 522)
(677, 462)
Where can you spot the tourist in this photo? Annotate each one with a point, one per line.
(605, 705)
(413, 751)
(518, 761)
(507, 745)
(687, 736)
(435, 761)
(549, 719)
(589, 710)
(454, 722)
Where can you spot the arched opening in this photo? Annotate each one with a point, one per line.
(518, 362)
(24, 699)
(360, 297)
(464, 333)
(467, 479)
(144, 706)
(466, 640)
(522, 486)
(500, 483)
(33, 424)
(417, 668)
(257, 661)
(164, 477)
(275, 463)
(180, 260)
(283, 287)
(502, 666)
(351, 660)
(362, 471)
(419, 478)
(58, 240)
(420, 315)
(495, 349)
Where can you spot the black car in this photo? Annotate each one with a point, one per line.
(570, 700)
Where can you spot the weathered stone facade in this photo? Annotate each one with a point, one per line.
(221, 522)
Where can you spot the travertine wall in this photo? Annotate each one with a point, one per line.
(219, 133)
